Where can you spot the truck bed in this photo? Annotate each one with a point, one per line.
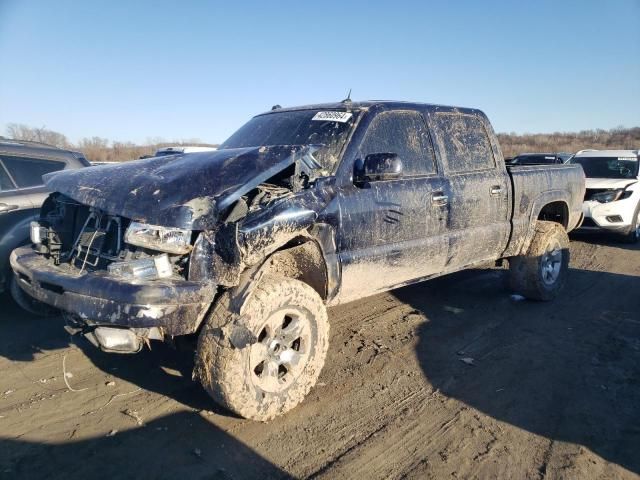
(533, 185)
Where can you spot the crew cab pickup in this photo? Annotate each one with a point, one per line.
(299, 209)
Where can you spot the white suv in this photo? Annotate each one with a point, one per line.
(612, 199)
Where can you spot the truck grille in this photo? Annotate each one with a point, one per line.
(99, 242)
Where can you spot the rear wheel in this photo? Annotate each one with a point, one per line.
(541, 273)
(286, 322)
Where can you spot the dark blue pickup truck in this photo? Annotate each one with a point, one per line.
(299, 209)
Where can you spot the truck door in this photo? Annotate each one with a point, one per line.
(478, 221)
(392, 231)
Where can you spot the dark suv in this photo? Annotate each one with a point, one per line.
(22, 192)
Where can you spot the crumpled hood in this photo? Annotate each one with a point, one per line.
(183, 191)
(611, 183)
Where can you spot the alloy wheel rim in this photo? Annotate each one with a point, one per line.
(551, 263)
(282, 351)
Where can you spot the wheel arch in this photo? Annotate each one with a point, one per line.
(549, 206)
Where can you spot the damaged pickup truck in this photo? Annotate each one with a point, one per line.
(301, 208)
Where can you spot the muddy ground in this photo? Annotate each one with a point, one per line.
(553, 391)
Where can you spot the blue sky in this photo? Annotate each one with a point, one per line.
(130, 70)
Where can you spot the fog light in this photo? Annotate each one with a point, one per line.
(117, 339)
(614, 218)
(38, 233)
(143, 268)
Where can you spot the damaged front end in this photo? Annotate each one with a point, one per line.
(126, 279)
(93, 266)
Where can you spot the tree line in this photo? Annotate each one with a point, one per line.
(98, 149)
(618, 138)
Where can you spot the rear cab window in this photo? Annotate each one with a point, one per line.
(405, 134)
(464, 142)
(28, 171)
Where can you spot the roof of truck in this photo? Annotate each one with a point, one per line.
(394, 104)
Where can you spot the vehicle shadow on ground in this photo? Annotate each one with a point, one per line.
(181, 445)
(603, 238)
(567, 370)
(23, 335)
(163, 369)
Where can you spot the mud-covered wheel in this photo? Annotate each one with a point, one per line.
(26, 302)
(273, 372)
(633, 235)
(541, 273)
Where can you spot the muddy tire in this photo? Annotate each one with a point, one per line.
(27, 303)
(633, 235)
(541, 273)
(269, 375)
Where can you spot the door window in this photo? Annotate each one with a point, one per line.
(5, 181)
(464, 141)
(27, 172)
(405, 134)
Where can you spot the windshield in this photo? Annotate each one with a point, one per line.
(608, 167)
(326, 129)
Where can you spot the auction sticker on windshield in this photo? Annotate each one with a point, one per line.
(332, 116)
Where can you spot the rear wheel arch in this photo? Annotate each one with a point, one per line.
(557, 211)
(547, 207)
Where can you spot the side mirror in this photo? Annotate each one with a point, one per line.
(381, 166)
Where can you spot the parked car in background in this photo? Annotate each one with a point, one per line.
(539, 158)
(612, 198)
(22, 192)
(161, 152)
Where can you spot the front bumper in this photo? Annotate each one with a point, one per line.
(176, 307)
(615, 216)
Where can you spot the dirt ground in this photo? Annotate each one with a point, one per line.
(552, 390)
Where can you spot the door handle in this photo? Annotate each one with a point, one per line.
(7, 208)
(439, 199)
(496, 190)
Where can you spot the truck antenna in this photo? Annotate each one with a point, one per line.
(348, 99)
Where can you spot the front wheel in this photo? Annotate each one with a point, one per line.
(541, 273)
(273, 372)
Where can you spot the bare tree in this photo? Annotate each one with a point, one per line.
(18, 131)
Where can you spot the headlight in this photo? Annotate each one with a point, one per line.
(37, 233)
(165, 239)
(610, 195)
(143, 268)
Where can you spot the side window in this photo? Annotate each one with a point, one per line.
(27, 172)
(403, 133)
(464, 141)
(5, 181)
